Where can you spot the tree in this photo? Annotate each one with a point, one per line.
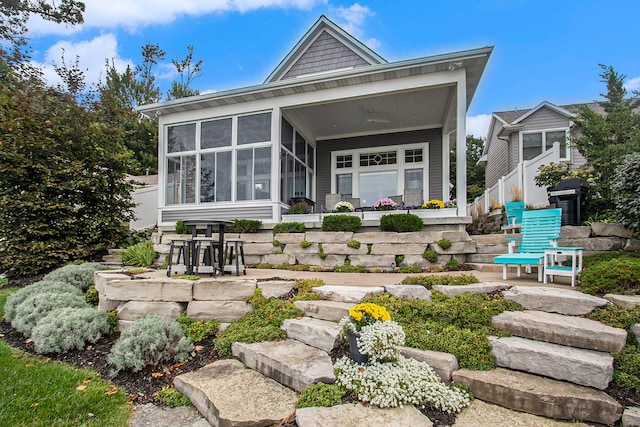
(188, 71)
(605, 139)
(475, 171)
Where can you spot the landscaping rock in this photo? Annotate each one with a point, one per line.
(289, 238)
(275, 259)
(223, 289)
(354, 414)
(540, 396)
(554, 300)
(352, 294)
(256, 237)
(579, 366)
(372, 261)
(416, 260)
(624, 301)
(409, 291)
(150, 415)
(563, 330)
(444, 364)
(259, 248)
(295, 248)
(317, 333)
(106, 304)
(289, 362)
(397, 249)
(474, 288)
(314, 259)
(325, 310)
(329, 236)
(468, 247)
(343, 249)
(170, 290)
(632, 245)
(422, 237)
(635, 329)
(595, 244)
(222, 311)
(456, 236)
(491, 248)
(102, 277)
(373, 237)
(134, 310)
(575, 232)
(217, 389)
(631, 416)
(276, 288)
(610, 230)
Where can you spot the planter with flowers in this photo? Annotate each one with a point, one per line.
(343, 208)
(406, 381)
(381, 207)
(437, 209)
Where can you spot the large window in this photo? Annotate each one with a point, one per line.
(372, 174)
(203, 158)
(297, 157)
(535, 143)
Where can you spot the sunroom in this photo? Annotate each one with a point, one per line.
(333, 118)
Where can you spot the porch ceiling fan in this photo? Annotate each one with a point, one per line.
(372, 119)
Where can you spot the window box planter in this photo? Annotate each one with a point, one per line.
(310, 217)
(368, 215)
(435, 213)
(358, 214)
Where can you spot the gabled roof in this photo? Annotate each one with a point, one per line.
(310, 55)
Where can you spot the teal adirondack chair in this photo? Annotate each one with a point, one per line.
(514, 211)
(540, 231)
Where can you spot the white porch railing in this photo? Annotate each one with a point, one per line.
(521, 179)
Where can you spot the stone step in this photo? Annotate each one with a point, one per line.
(290, 362)
(409, 292)
(216, 390)
(488, 239)
(563, 330)
(492, 248)
(483, 258)
(481, 266)
(443, 364)
(554, 300)
(321, 334)
(584, 367)
(473, 288)
(325, 310)
(355, 414)
(624, 301)
(353, 294)
(540, 396)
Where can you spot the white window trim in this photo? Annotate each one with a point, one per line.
(565, 157)
(400, 166)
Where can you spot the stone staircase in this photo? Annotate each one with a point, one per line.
(555, 364)
(488, 246)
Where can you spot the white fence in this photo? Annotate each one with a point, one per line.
(146, 210)
(519, 183)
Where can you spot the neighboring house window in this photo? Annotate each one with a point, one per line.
(297, 158)
(535, 143)
(200, 160)
(373, 174)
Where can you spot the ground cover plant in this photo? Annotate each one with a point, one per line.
(618, 275)
(448, 280)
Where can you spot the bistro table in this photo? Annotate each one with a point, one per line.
(208, 225)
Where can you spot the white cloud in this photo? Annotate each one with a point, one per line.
(92, 54)
(133, 15)
(352, 18)
(632, 84)
(478, 126)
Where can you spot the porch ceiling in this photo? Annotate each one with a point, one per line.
(419, 109)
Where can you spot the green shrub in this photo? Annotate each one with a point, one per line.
(626, 196)
(244, 226)
(320, 394)
(197, 330)
(626, 365)
(292, 267)
(444, 243)
(618, 276)
(3, 282)
(430, 255)
(617, 317)
(140, 255)
(91, 296)
(172, 397)
(112, 319)
(262, 324)
(149, 342)
(401, 223)
(289, 227)
(353, 244)
(305, 244)
(452, 264)
(264, 266)
(299, 208)
(186, 277)
(341, 223)
(321, 251)
(410, 269)
(304, 289)
(18, 297)
(181, 228)
(37, 306)
(79, 275)
(399, 259)
(69, 328)
(589, 260)
(134, 236)
(448, 280)
(348, 268)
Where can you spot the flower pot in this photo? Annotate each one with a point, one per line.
(354, 351)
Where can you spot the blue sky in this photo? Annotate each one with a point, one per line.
(543, 50)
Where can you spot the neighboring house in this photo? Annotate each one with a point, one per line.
(333, 117)
(145, 197)
(519, 141)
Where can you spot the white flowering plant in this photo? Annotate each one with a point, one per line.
(381, 341)
(343, 207)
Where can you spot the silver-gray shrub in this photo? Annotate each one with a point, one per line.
(37, 306)
(79, 275)
(150, 341)
(69, 328)
(50, 286)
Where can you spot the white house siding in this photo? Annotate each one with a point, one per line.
(433, 136)
(497, 160)
(325, 53)
(545, 119)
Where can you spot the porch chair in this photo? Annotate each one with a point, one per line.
(540, 231)
(330, 200)
(514, 212)
(355, 202)
(413, 197)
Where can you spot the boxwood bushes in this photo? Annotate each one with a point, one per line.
(401, 223)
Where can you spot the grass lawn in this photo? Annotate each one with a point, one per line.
(36, 391)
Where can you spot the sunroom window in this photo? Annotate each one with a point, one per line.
(535, 143)
(297, 160)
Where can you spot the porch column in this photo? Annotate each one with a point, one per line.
(461, 144)
(275, 162)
